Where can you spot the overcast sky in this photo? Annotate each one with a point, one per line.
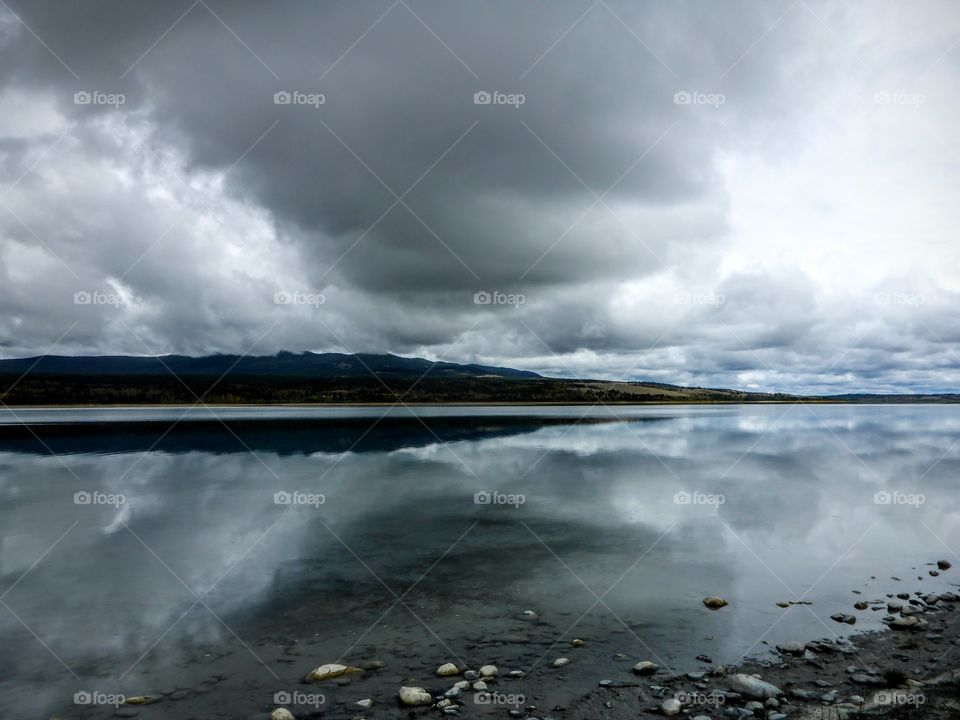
(744, 194)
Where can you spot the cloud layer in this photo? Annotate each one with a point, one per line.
(741, 194)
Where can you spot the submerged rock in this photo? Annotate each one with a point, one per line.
(331, 671)
(792, 648)
(754, 687)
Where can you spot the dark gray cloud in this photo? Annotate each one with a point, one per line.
(644, 199)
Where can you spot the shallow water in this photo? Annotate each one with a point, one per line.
(612, 527)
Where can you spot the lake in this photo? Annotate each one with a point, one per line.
(211, 558)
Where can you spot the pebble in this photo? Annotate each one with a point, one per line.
(516, 674)
(480, 686)
(560, 662)
(447, 669)
(366, 703)
(670, 706)
(714, 603)
(413, 696)
(281, 714)
(471, 675)
(577, 642)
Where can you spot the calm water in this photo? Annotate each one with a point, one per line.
(222, 561)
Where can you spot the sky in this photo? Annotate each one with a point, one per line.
(761, 195)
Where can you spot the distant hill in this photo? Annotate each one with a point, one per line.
(340, 378)
(284, 364)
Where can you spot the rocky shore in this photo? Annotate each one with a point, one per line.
(904, 672)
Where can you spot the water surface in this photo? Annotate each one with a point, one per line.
(222, 577)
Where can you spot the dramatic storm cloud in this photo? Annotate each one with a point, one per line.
(751, 194)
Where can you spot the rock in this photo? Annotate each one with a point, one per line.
(943, 564)
(894, 607)
(792, 648)
(903, 596)
(374, 665)
(447, 669)
(489, 671)
(843, 618)
(736, 712)
(950, 597)
(529, 615)
(909, 622)
(865, 679)
(516, 674)
(560, 662)
(645, 668)
(281, 714)
(802, 694)
(753, 687)
(696, 676)
(714, 603)
(933, 573)
(705, 659)
(931, 599)
(783, 604)
(776, 716)
(331, 671)
(670, 706)
(753, 706)
(140, 700)
(366, 703)
(453, 693)
(862, 605)
(462, 685)
(480, 686)
(577, 642)
(771, 703)
(445, 703)
(414, 696)
(471, 675)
